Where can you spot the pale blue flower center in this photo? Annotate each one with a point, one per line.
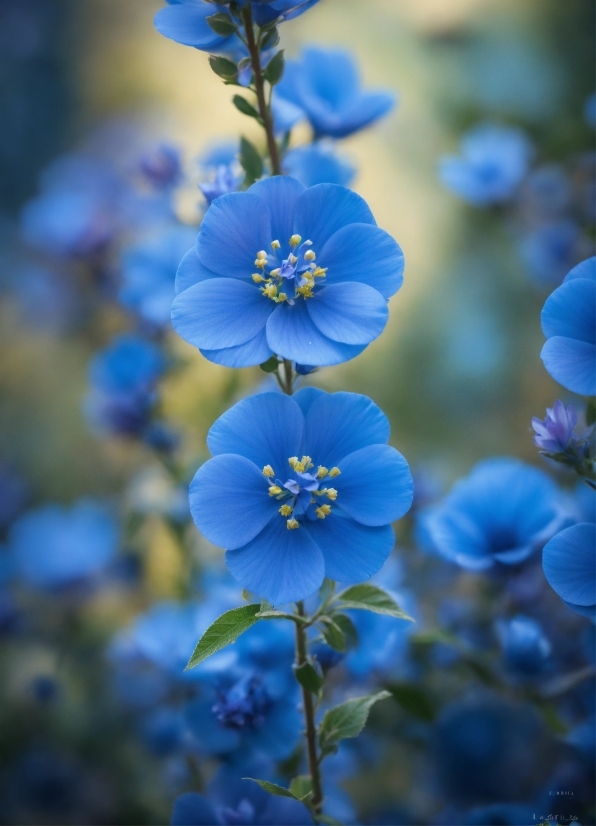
(304, 493)
(288, 278)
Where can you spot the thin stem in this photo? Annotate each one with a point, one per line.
(264, 109)
(316, 800)
(288, 377)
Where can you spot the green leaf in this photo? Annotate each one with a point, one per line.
(347, 720)
(347, 628)
(368, 597)
(332, 634)
(271, 365)
(330, 821)
(413, 700)
(225, 630)
(266, 607)
(308, 676)
(223, 67)
(301, 787)
(222, 24)
(275, 68)
(433, 637)
(245, 107)
(270, 40)
(276, 790)
(591, 412)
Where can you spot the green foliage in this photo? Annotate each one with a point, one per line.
(222, 24)
(245, 107)
(348, 629)
(271, 365)
(224, 68)
(413, 700)
(368, 597)
(332, 634)
(591, 412)
(275, 68)
(276, 790)
(270, 40)
(301, 787)
(225, 630)
(346, 720)
(308, 677)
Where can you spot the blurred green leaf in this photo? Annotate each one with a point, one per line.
(223, 67)
(368, 597)
(245, 107)
(332, 634)
(275, 68)
(414, 700)
(222, 24)
(274, 789)
(270, 40)
(308, 677)
(301, 786)
(347, 628)
(347, 720)
(591, 412)
(225, 630)
(271, 365)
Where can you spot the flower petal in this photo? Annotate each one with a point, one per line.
(186, 24)
(306, 396)
(366, 254)
(570, 565)
(375, 486)
(266, 428)
(352, 552)
(220, 312)
(366, 108)
(572, 363)
(585, 269)
(280, 193)
(292, 334)
(352, 313)
(337, 424)
(570, 311)
(280, 565)
(229, 500)
(325, 208)
(234, 229)
(254, 351)
(191, 271)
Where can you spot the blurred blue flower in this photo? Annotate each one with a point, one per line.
(318, 163)
(546, 192)
(222, 170)
(525, 648)
(493, 162)
(556, 432)
(55, 547)
(569, 324)
(325, 85)
(47, 300)
(297, 521)
(502, 512)
(569, 563)
(549, 250)
(149, 271)
(314, 313)
(161, 166)
(590, 110)
(163, 730)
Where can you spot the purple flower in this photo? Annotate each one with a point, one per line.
(556, 432)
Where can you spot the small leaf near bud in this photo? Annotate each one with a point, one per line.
(223, 67)
(222, 24)
(275, 68)
(245, 107)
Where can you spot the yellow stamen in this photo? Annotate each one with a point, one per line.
(258, 279)
(310, 255)
(262, 254)
(320, 492)
(320, 272)
(335, 471)
(268, 471)
(306, 462)
(331, 494)
(292, 259)
(323, 511)
(285, 510)
(292, 524)
(260, 263)
(322, 472)
(275, 273)
(305, 291)
(275, 245)
(292, 461)
(295, 240)
(274, 490)
(270, 291)
(282, 297)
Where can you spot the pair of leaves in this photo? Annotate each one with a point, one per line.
(346, 720)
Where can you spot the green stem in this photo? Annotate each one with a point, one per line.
(264, 109)
(314, 771)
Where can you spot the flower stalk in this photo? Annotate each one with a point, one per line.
(314, 770)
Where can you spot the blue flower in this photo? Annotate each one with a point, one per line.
(569, 324)
(525, 648)
(590, 110)
(325, 85)
(223, 172)
(318, 164)
(549, 250)
(493, 162)
(501, 512)
(556, 432)
(161, 167)
(288, 522)
(251, 286)
(123, 379)
(149, 271)
(569, 562)
(55, 547)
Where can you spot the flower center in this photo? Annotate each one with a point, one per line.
(244, 705)
(303, 495)
(286, 279)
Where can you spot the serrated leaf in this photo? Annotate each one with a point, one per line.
(271, 365)
(308, 676)
(270, 40)
(332, 634)
(222, 24)
(368, 597)
(225, 630)
(223, 67)
(348, 629)
(275, 68)
(413, 700)
(273, 788)
(347, 720)
(245, 107)
(301, 787)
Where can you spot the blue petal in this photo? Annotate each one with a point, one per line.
(229, 500)
(352, 313)
(252, 352)
(306, 396)
(571, 311)
(280, 565)
(569, 562)
(337, 424)
(572, 363)
(191, 271)
(292, 334)
(375, 486)
(280, 734)
(459, 538)
(266, 428)
(325, 208)
(352, 552)
(363, 253)
(586, 269)
(280, 193)
(366, 109)
(234, 229)
(211, 736)
(192, 809)
(220, 312)
(331, 74)
(186, 24)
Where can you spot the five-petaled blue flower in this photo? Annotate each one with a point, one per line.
(569, 323)
(493, 162)
(501, 512)
(569, 563)
(300, 489)
(302, 273)
(325, 85)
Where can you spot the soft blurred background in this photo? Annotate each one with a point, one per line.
(457, 371)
